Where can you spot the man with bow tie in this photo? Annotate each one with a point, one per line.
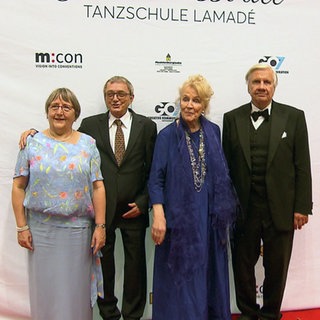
(266, 146)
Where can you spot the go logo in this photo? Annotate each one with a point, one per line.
(166, 109)
(274, 61)
(259, 289)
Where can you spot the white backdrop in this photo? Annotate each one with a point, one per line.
(157, 45)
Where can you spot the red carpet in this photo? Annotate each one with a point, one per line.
(311, 314)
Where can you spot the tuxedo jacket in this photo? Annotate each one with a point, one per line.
(288, 173)
(127, 183)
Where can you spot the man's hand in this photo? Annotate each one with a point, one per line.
(299, 220)
(133, 212)
(24, 136)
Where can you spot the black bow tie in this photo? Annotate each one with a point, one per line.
(255, 115)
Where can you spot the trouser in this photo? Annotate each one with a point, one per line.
(134, 286)
(277, 248)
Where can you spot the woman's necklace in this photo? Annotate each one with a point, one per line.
(55, 137)
(198, 166)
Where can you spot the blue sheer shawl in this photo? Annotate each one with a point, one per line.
(186, 252)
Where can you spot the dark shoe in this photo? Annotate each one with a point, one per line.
(264, 318)
(244, 317)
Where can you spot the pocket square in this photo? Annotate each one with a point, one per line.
(284, 135)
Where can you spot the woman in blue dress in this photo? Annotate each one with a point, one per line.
(59, 204)
(194, 205)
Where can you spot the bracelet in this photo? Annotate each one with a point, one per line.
(24, 228)
(100, 225)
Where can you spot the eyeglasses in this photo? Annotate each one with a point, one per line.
(65, 108)
(119, 94)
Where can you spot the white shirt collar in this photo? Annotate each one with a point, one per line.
(254, 108)
(125, 119)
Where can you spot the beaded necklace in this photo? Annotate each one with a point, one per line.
(198, 166)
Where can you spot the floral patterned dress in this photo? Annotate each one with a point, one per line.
(60, 214)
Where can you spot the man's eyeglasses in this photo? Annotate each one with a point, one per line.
(65, 108)
(119, 94)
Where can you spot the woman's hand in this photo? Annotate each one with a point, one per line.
(98, 239)
(99, 205)
(159, 225)
(25, 239)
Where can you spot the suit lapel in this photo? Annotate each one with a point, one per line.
(136, 127)
(243, 129)
(279, 119)
(105, 135)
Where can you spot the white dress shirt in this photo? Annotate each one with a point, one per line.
(257, 123)
(126, 120)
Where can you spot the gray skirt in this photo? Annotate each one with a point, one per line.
(59, 272)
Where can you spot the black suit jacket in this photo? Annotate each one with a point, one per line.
(127, 183)
(288, 174)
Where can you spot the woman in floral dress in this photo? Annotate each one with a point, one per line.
(59, 203)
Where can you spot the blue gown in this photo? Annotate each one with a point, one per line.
(202, 293)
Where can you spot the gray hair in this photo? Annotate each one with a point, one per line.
(262, 66)
(119, 79)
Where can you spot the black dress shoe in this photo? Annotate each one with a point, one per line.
(245, 317)
(276, 318)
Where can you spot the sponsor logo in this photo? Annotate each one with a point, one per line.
(167, 65)
(259, 291)
(165, 112)
(275, 62)
(58, 60)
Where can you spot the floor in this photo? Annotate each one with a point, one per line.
(312, 314)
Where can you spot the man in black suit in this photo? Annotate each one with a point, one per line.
(127, 197)
(268, 157)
